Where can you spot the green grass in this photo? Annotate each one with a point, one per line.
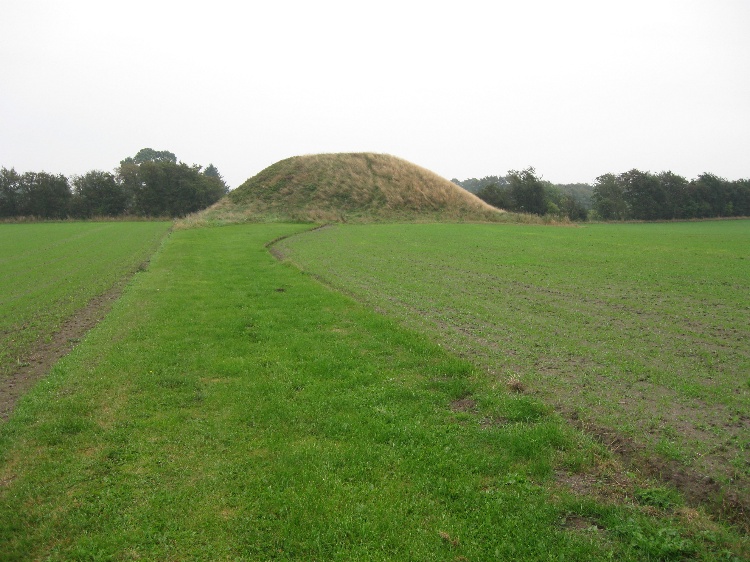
(638, 327)
(232, 408)
(51, 270)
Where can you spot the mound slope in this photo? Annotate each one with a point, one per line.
(350, 187)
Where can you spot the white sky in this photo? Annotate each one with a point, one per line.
(467, 89)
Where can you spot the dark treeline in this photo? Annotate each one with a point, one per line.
(632, 195)
(524, 192)
(665, 196)
(150, 184)
(474, 185)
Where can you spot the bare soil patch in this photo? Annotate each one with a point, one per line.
(698, 489)
(464, 405)
(578, 523)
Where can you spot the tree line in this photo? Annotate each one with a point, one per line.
(523, 191)
(632, 195)
(150, 184)
(665, 196)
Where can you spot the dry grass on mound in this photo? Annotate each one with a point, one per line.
(357, 187)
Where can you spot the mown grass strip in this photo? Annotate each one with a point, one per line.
(231, 408)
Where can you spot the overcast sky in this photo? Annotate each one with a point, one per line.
(466, 89)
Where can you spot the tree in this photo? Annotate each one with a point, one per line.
(644, 194)
(527, 191)
(10, 187)
(741, 197)
(163, 188)
(150, 155)
(475, 185)
(98, 194)
(43, 195)
(572, 209)
(629, 195)
(495, 195)
(151, 183)
(212, 172)
(581, 192)
(675, 192)
(713, 194)
(609, 199)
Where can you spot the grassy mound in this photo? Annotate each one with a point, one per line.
(357, 187)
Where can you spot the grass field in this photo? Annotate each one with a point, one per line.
(52, 270)
(640, 328)
(232, 408)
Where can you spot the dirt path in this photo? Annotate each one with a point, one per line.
(38, 363)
